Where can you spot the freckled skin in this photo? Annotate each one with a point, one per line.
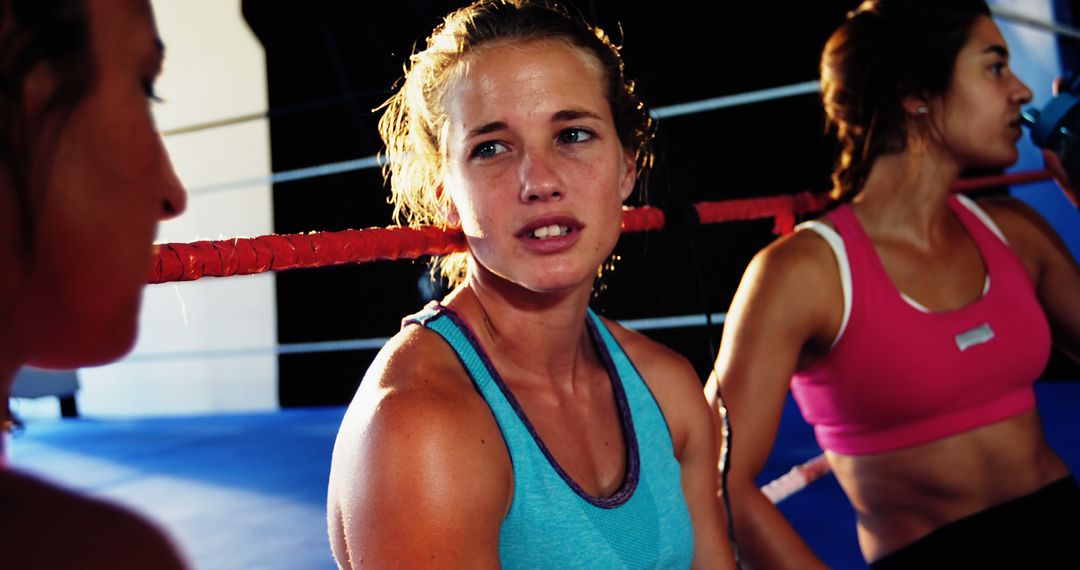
(530, 143)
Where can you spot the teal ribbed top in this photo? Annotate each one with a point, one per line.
(553, 522)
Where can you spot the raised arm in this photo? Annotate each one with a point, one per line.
(419, 478)
(1053, 269)
(1057, 170)
(788, 302)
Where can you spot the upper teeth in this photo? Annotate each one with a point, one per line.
(550, 231)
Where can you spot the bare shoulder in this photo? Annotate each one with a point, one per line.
(671, 379)
(45, 526)
(1029, 235)
(794, 260)
(418, 458)
(1014, 216)
(416, 389)
(791, 285)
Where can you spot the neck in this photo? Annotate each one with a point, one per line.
(906, 194)
(538, 336)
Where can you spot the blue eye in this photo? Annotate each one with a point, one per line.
(488, 149)
(575, 135)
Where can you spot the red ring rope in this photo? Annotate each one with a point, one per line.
(246, 256)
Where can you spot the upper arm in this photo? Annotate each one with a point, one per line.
(417, 478)
(789, 298)
(1053, 269)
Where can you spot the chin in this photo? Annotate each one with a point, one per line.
(79, 347)
(559, 279)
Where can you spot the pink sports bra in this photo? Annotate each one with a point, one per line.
(898, 375)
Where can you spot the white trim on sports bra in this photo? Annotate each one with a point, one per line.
(836, 244)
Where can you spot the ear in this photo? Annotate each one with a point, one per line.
(447, 208)
(628, 176)
(915, 106)
(452, 216)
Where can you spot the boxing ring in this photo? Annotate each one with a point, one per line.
(248, 490)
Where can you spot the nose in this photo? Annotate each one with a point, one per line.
(540, 180)
(174, 197)
(1022, 94)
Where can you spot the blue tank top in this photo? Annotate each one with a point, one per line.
(553, 522)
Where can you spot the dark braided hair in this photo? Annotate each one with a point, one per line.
(885, 51)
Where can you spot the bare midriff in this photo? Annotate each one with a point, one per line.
(901, 496)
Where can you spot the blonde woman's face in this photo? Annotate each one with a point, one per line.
(534, 166)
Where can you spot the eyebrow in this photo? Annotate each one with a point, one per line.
(574, 114)
(559, 116)
(485, 129)
(998, 50)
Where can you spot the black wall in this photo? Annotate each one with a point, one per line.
(331, 62)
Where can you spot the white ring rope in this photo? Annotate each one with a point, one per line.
(737, 100)
(795, 480)
(675, 322)
(674, 110)
(1025, 20)
(295, 174)
(375, 161)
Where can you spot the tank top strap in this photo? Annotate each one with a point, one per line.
(639, 404)
(856, 243)
(644, 524)
(456, 332)
(869, 279)
(847, 225)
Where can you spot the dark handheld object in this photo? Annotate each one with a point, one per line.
(1057, 126)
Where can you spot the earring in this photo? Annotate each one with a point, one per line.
(922, 110)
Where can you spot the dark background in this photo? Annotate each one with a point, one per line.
(331, 62)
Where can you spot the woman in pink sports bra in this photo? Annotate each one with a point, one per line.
(909, 323)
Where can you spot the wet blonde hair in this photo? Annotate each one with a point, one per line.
(413, 122)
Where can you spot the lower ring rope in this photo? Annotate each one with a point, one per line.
(796, 479)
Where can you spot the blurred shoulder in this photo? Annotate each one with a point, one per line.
(1025, 230)
(45, 526)
(1013, 216)
(794, 279)
(803, 252)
